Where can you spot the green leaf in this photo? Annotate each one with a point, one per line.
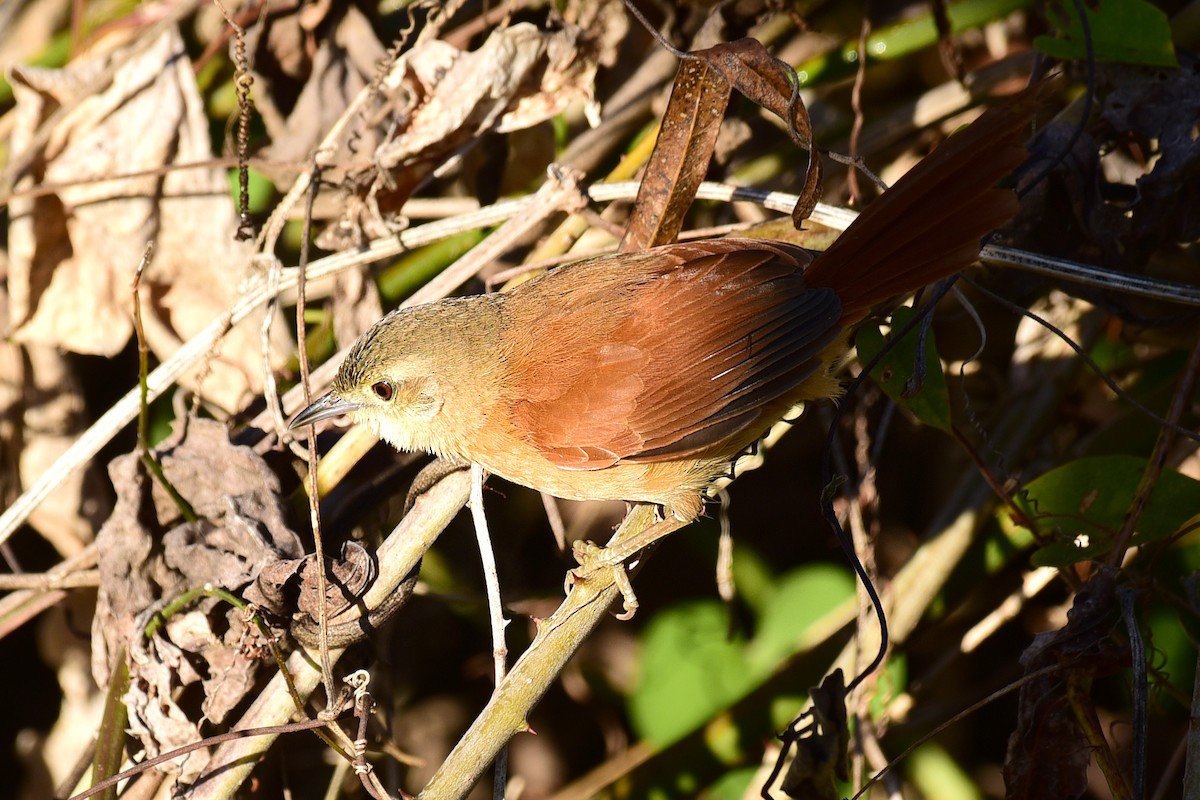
(929, 402)
(938, 776)
(1122, 31)
(733, 785)
(804, 596)
(1081, 506)
(690, 670)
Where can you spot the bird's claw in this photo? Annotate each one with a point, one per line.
(592, 559)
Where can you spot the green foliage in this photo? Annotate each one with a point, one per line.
(732, 785)
(938, 775)
(692, 668)
(904, 38)
(1079, 507)
(1122, 31)
(415, 269)
(930, 402)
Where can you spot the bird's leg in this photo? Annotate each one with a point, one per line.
(632, 537)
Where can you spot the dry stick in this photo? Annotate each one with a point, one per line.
(268, 731)
(1031, 585)
(1157, 460)
(46, 582)
(537, 668)
(314, 498)
(555, 518)
(274, 269)
(878, 760)
(726, 587)
(856, 105)
(22, 605)
(491, 580)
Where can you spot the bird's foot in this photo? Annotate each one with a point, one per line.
(638, 532)
(592, 559)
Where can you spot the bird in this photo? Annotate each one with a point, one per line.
(642, 376)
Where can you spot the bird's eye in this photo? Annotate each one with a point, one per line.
(383, 390)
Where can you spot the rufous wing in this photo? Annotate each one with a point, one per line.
(687, 347)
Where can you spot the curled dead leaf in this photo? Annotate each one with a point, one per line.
(149, 556)
(74, 251)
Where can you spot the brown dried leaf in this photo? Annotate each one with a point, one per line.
(289, 586)
(766, 80)
(680, 159)
(821, 752)
(74, 252)
(344, 63)
(1048, 754)
(689, 133)
(440, 99)
(240, 530)
(41, 414)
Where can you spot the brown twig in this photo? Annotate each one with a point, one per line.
(1157, 460)
(314, 497)
(270, 730)
(860, 78)
(147, 458)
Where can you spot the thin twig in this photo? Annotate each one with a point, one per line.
(1157, 461)
(491, 581)
(555, 518)
(265, 731)
(153, 467)
(314, 497)
(45, 582)
(860, 76)
(726, 588)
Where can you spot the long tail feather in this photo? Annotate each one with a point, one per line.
(930, 223)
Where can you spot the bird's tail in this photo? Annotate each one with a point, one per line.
(930, 223)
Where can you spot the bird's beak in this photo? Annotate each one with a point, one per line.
(326, 406)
